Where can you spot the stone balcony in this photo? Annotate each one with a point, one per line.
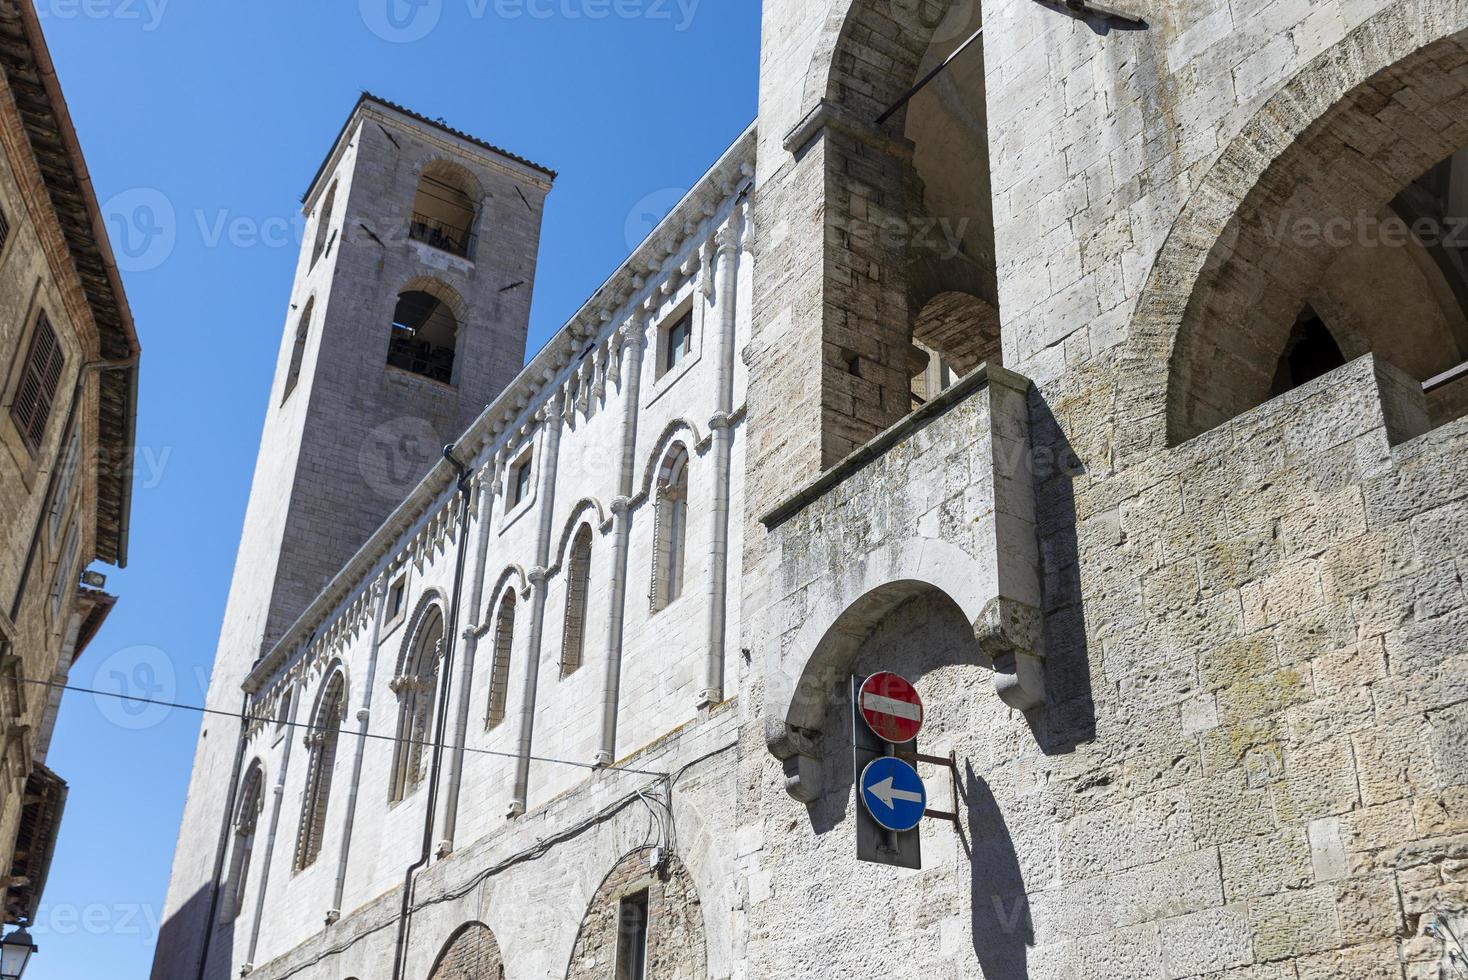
(944, 500)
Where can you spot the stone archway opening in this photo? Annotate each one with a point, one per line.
(1354, 239)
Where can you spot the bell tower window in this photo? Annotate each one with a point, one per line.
(425, 335)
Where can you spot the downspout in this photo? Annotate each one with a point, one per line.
(364, 713)
(275, 808)
(633, 342)
(219, 851)
(546, 501)
(450, 817)
(721, 425)
(466, 494)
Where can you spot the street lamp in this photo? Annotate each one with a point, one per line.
(15, 953)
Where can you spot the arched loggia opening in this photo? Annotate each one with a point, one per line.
(445, 209)
(1352, 240)
(893, 152)
(425, 336)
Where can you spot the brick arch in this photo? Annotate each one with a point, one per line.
(677, 948)
(472, 953)
(1337, 142)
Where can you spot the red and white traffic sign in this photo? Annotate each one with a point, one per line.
(891, 707)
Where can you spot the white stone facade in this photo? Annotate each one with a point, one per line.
(1185, 604)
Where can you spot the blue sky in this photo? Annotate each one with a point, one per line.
(215, 116)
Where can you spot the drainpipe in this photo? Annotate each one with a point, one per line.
(219, 852)
(450, 817)
(546, 501)
(633, 342)
(379, 599)
(275, 806)
(721, 425)
(466, 494)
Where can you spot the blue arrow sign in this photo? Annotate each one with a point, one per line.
(894, 794)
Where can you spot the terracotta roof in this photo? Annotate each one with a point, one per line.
(438, 124)
(32, 79)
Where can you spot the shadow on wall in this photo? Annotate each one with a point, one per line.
(180, 942)
(1003, 931)
(1069, 717)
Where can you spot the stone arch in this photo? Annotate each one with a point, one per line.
(676, 944)
(472, 953)
(1346, 107)
(452, 172)
(680, 431)
(589, 512)
(801, 676)
(427, 602)
(514, 576)
(440, 290)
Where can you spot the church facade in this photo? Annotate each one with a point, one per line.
(1101, 374)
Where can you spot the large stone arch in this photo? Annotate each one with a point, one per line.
(676, 944)
(1337, 142)
(472, 953)
(801, 676)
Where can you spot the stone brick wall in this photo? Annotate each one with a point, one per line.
(471, 955)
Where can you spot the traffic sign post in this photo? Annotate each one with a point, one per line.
(875, 842)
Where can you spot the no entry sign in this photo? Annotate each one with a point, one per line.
(891, 707)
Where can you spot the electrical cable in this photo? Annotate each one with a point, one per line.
(310, 727)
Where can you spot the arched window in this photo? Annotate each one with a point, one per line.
(321, 740)
(416, 687)
(499, 678)
(444, 211)
(425, 334)
(323, 226)
(670, 529)
(247, 817)
(578, 583)
(298, 352)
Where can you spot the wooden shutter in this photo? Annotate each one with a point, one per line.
(39, 379)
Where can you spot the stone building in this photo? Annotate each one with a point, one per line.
(70, 393)
(1107, 383)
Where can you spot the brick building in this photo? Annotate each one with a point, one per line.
(66, 437)
(1108, 386)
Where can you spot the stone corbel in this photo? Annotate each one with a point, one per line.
(799, 751)
(1009, 633)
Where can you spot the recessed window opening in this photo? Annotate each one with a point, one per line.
(677, 342)
(632, 937)
(520, 480)
(424, 336)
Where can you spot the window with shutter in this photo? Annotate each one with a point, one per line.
(499, 680)
(39, 379)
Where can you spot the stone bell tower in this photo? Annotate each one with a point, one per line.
(407, 317)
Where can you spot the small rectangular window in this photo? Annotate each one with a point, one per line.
(39, 379)
(677, 342)
(395, 596)
(632, 938)
(520, 481)
(4, 228)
